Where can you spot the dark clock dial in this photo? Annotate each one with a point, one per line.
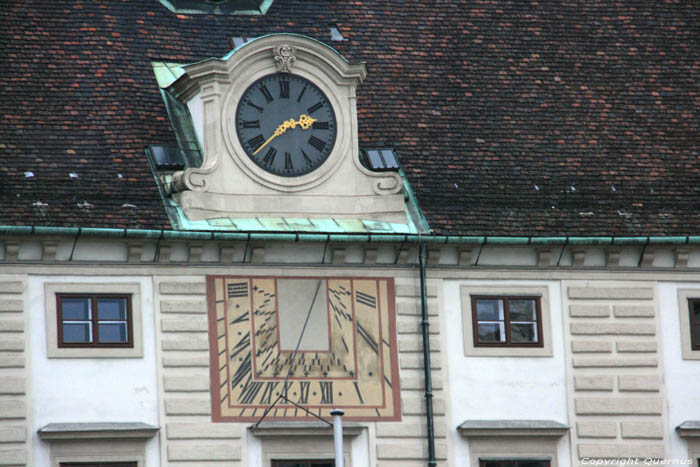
(286, 124)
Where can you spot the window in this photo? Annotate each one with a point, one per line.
(694, 322)
(506, 321)
(303, 463)
(513, 463)
(689, 320)
(94, 320)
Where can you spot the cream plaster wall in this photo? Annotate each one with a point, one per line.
(681, 376)
(492, 388)
(67, 390)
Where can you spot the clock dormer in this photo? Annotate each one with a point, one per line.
(277, 123)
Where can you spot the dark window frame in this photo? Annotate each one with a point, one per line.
(506, 320)
(514, 462)
(694, 337)
(95, 321)
(305, 462)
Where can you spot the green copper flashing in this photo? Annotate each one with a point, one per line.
(45, 230)
(468, 240)
(508, 240)
(631, 240)
(548, 240)
(668, 240)
(95, 232)
(16, 229)
(590, 240)
(303, 237)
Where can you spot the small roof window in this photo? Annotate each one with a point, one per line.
(382, 159)
(167, 158)
(336, 35)
(239, 41)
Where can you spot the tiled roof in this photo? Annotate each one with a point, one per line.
(510, 117)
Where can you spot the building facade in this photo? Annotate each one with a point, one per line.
(470, 226)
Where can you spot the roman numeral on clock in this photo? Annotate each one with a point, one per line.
(320, 125)
(256, 107)
(304, 392)
(250, 391)
(256, 142)
(288, 161)
(303, 90)
(326, 392)
(284, 89)
(266, 92)
(270, 156)
(306, 158)
(250, 124)
(315, 107)
(317, 143)
(266, 397)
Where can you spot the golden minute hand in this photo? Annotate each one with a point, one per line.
(304, 122)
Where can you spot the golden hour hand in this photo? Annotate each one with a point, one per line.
(304, 122)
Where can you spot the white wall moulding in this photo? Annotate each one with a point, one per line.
(513, 439)
(116, 430)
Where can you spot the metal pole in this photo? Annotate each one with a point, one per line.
(422, 258)
(338, 436)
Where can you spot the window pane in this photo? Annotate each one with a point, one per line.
(492, 332)
(498, 463)
(111, 309)
(697, 335)
(523, 332)
(75, 309)
(489, 309)
(522, 310)
(113, 332)
(533, 463)
(77, 332)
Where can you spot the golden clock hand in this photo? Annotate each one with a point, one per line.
(304, 122)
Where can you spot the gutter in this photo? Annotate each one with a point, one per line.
(422, 256)
(311, 237)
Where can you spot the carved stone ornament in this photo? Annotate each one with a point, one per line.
(284, 58)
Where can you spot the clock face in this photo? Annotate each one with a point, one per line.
(286, 125)
(263, 353)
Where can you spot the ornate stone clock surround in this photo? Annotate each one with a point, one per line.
(229, 184)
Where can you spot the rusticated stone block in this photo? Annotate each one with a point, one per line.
(646, 430)
(614, 451)
(639, 382)
(615, 329)
(633, 311)
(599, 311)
(597, 429)
(594, 383)
(636, 346)
(617, 293)
(618, 406)
(579, 346)
(182, 288)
